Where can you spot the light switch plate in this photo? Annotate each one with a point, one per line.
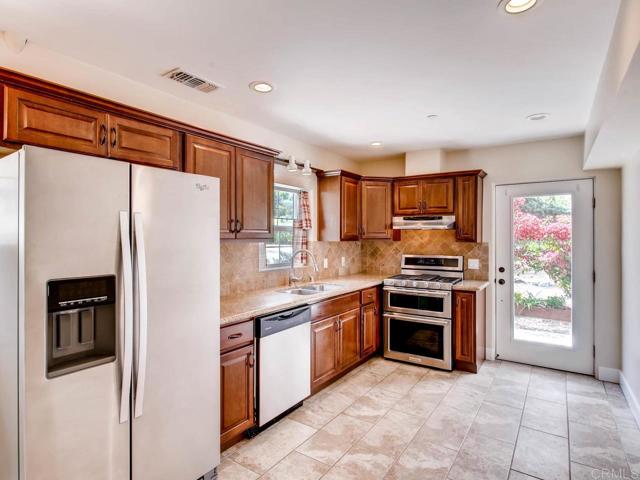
(473, 264)
(343, 261)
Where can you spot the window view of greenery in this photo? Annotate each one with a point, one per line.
(542, 268)
(285, 209)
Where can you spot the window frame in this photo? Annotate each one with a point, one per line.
(263, 266)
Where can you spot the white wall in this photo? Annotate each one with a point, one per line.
(630, 282)
(555, 160)
(48, 65)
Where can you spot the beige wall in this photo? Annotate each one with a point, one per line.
(383, 167)
(555, 160)
(630, 281)
(43, 63)
(624, 42)
(424, 161)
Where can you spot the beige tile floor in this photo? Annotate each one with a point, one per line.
(388, 420)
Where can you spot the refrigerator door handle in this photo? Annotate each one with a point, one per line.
(126, 332)
(141, 322)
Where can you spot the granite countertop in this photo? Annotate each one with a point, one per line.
(472, 285)
(246, 305)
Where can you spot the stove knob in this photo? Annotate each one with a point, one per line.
(401, 283)
(421, 284)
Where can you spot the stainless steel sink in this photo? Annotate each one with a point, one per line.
(311, 289)
(298, 291)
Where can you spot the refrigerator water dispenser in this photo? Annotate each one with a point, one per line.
(81, 324)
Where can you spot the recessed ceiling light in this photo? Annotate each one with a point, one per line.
(376, 144)
(261, 87)
(433, 116)
(538, 116)
(519, 6)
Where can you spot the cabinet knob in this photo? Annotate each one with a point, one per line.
(103, 134)
(250, 360)
(113, 137)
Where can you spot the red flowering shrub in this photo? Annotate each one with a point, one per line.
(542, 238)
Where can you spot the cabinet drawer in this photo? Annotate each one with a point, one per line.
(335, 306)
(370, 295)
(233, 336)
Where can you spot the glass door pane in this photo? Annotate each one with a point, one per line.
(542, 268)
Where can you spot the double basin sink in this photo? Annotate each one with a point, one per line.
(311, 289)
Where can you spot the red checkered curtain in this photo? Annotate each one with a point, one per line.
(301, 227)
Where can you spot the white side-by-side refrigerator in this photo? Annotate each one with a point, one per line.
(109, 320)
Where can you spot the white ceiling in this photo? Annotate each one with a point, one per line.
(348, 72)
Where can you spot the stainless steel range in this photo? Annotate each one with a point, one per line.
(417, 310)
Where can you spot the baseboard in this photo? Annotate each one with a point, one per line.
(632, 400)
(490, 353)
(606, 374)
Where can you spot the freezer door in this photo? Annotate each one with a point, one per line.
(70, 213)
(176, 430)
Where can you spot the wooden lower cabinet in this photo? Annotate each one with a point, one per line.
(469, 330)
(370, 330)
(348, 338)
(324, 351)
(236, 394)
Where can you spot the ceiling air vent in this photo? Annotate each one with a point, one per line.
(190, 80)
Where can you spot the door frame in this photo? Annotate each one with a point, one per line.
(493, 263)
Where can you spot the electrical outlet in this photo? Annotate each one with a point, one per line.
(325, 263)
(343, 261)
(473, 264)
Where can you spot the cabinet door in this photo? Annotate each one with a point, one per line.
(324, 356)
(215, 159)
(349, 338)
(437, 195)
(468, 209)
(254, 195)
(236, 393)
(376, 209)
(406, 197)
(145, 143)
(349, 209)
(369, 320)
(40, 120)
(464, 324)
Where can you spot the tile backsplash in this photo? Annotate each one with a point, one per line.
(239, 260)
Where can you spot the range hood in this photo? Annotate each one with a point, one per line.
(425, 222)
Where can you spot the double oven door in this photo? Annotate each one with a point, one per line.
(417, 326)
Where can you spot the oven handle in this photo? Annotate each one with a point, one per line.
(421, 293)
(429, 320)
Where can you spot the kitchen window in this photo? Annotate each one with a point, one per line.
(276, 254)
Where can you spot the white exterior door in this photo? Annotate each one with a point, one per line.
(544, 274)
(176, 395)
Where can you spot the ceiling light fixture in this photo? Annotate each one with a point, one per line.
(261, 87)
(376, 144)
(292, 166)
(519, 6)
(534, 117)
(306, 170)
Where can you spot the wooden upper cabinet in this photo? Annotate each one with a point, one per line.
(142, 142)
(254, 194)
(349, 209)
(324, 354)
(349, 338)
(236, 393)
(215, 159)
(40, 120)
(407, 199)
(338, 206)
(376, 209)
(468, 208)
(437, 195)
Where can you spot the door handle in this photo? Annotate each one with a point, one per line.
(501, 269)
(126, 332)
(239, 226)
(501, 281)
(113, 137)
(103, 134)
(231, 223)
(233, 336)
(142, 320)
(250, 360)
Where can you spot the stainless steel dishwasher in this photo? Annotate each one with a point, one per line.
(284, 362)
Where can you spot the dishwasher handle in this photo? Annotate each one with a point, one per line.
(277, 322)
